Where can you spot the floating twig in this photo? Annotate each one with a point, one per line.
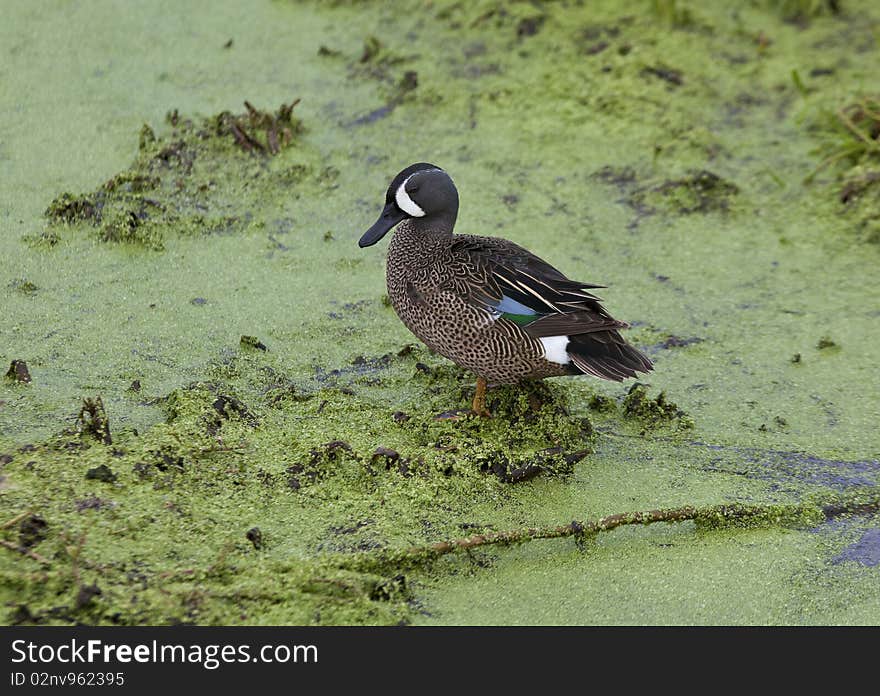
(854, 129)
(15, 520)
(860, 124)
(24, 551)
(709, 516)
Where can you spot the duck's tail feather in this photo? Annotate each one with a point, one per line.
(607, 355)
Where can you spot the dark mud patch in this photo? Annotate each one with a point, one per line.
(92, 502)
(380, 63)
(624, 178)
(406, 85)
(391, 460)
(31, 531)
(252, 342)
(827, 344)
(102, 473)
(593, 39)
(653, 412)
(674, 341)
(552, 460)
(794, 470)
(255, 536)
(352, 537)
(362, 370)
(321, 462)
(865, 551)
(700, 191)
(671, 76)
(18, 372)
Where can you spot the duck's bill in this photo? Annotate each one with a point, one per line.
(388, 219)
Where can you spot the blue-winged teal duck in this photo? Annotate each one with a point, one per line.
(486, 303)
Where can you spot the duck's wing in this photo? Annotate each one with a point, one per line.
(506, 279)
(516, 286)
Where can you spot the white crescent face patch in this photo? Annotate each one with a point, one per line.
(405, 203)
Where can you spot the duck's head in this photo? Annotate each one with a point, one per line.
(421, 192)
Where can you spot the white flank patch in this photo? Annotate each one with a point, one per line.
(405, 203)
(554, 349)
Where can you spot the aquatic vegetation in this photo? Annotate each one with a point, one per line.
(273, 452)
(804, 10)
(653, 412)
(673, 12)
(857, 127)
(180, 175)
(696, 192)
(852, 148)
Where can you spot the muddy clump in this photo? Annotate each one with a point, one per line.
(320, 463)
(697, 192)
(18, 372)
(93, 421)
(637, 405)
(31, 531)
(209, 404)
(187, 179)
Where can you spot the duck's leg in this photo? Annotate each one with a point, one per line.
(479, 405)
(478, 408)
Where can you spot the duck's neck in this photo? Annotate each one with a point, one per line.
(424, 233)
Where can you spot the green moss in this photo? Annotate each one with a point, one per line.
(673, 12)
(70, 209)
(179, 174)
(745, 516)
(697, 192)
(851, 147)
(23, 286)
(653, 412)
(600, 402)
(130, 227)
(45, 239)
(804, 10)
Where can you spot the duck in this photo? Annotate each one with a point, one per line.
(486, 303)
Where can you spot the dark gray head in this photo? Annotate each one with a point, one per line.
(421, 191)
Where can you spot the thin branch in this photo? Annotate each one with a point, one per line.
(15, 520)
(854, 129)
(848, 152)
(710, 516)
(24, 551)
(603, 524)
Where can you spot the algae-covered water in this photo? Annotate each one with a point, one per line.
(226, 423)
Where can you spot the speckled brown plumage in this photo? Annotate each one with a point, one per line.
(486, 303)
(430, 284)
